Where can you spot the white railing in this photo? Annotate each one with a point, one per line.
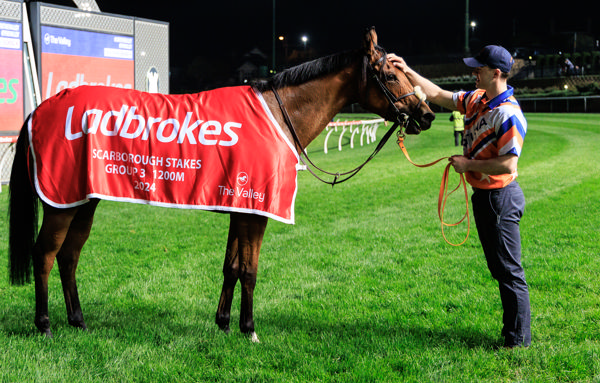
(366, 128)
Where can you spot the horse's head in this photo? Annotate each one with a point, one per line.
(389, 93)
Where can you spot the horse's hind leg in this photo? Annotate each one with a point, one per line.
(68, 257)
(55, 227)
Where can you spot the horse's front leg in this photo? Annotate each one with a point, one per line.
(230, 278)
(241, 262)
(251, 229)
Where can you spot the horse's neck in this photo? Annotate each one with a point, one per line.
(311, 106)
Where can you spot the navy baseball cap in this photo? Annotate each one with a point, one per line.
(493, 56)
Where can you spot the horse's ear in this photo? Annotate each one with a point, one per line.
(370, 43)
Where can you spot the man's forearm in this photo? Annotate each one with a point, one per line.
(433, 92)
(506, 164)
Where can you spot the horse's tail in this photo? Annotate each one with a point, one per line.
(23, 212)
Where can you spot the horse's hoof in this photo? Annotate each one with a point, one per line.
(223, 323)
(79, 325)
(47, 334)
(253, 337)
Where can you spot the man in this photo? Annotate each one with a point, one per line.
(458, 121)
(494, 131)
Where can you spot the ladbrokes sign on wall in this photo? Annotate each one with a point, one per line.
(71, 58)
(220, 150)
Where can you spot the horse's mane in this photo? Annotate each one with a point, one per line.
(308, 71)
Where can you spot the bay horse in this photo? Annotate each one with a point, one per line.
(302, 99)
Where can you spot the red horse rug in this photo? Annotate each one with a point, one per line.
(220, 150)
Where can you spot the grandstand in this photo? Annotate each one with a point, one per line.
(539, 71)
(543, 79)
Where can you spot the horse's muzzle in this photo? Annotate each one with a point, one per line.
(416, 124)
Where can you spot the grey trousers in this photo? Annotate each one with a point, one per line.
(497, 215)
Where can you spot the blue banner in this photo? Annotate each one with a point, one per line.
(85, 43)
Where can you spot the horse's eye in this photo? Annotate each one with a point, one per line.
(390, 77)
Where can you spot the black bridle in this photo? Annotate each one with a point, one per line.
(400, 119)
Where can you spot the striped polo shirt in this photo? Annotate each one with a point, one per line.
(492, 128)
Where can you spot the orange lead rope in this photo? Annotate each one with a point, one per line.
(443, 196)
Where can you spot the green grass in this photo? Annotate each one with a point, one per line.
(362, 289)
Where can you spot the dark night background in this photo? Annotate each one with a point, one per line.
(208, 40)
